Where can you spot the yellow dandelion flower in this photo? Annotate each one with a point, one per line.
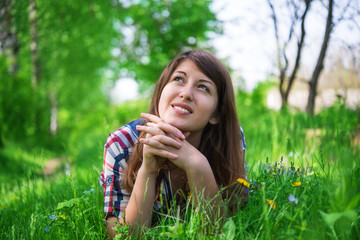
(62, 216)
(296, 184)
(271, 203)
(243, 182)
(14, 198)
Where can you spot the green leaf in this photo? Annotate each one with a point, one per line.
(331, 218)
(354, 202)
(68, 203)
(229, 230)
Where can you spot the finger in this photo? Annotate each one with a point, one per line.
(150, 130)
(159, 152)
(166, 127)
(175, 136)
(171, 130)
(168, 141)
(162, 142)
(151, 117)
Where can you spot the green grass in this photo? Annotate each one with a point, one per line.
(282, 148)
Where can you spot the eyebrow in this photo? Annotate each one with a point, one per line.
(201, 80)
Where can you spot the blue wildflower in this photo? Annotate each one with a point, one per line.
(86, 192)
(293, 199)
(53, 217)
(47, 229)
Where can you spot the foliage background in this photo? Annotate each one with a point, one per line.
(82, 48)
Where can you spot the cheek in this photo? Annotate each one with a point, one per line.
(212, 106)
(163, 102)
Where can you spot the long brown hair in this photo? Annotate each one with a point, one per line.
(221, 143)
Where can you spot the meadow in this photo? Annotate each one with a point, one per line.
(303, 171)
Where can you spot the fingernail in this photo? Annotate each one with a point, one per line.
(173, 156)
(180, 135)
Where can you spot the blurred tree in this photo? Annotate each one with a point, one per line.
(55, 57)
(61, 51)
(320, 61)
(348, 12)
(297, 15)
(9, 66)
(154, 32)
(345, 11)
(9, 44)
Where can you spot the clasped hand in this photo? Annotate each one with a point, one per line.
(164, 141)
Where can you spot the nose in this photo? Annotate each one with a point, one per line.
(187, 93)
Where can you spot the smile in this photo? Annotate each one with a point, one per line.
(181, 109)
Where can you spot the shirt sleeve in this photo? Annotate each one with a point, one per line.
(117, 150)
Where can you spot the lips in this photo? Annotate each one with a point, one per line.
(182, 107)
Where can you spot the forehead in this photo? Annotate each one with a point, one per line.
(188, 67)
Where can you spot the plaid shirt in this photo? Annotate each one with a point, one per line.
(117, 150)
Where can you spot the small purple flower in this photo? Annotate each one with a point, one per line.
(267, 167)
(281, 166)
(290, 171)
(293, 199)
(47, 229)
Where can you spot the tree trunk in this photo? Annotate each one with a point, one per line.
(35, 64)
(9, 44)
(320, 62)
(299, 50)
(283, 63)
(35, 67)
(53, 113)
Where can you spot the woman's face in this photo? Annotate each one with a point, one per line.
(189, 100)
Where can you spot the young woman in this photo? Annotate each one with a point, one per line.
(189, 141)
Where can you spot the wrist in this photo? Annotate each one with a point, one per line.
(147, 172)
(197, 166)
